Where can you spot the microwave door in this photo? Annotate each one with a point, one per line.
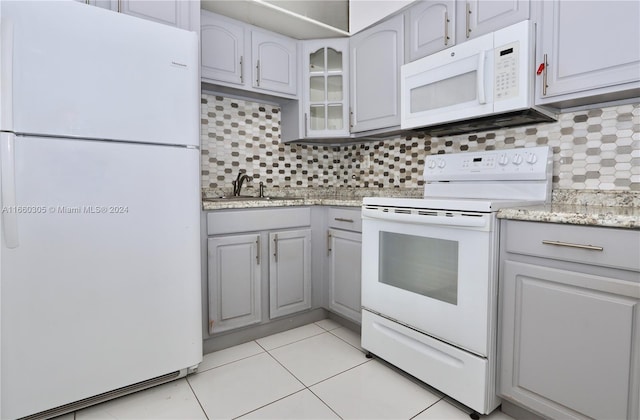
(451, 85)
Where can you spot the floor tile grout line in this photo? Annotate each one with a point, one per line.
(428, 407)
(285, 368)
(296, 341)
(325, 403)
(268, 404)
(335, 328)
(233, 361)
(196, 396)
(357, 348)
(340, 373)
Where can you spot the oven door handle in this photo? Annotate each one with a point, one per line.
(463, 221)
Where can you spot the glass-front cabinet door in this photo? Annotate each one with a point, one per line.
(326, 88)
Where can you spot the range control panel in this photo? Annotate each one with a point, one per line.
(512, 164)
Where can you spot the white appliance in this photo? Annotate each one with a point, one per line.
(429, 284)
(99, 254)
(481, 84)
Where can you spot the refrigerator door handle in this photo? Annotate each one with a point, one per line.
(8, 185)
(6, 74)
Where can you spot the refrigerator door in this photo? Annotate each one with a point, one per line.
(73, 70)
(102, 287)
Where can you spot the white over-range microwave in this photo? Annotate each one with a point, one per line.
(482, 84)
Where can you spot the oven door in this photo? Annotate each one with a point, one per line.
(432, 271)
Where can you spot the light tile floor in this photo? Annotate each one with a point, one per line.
(317, 371)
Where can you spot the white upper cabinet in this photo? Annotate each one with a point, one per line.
(178, 13)
(241, 56)
(479, 17)
(223, 57)
(364, 13)
(591, 52)
(435, 25)
(376, 55)
(326, 87)
(273, 62)
(430, 27)
(174, 12)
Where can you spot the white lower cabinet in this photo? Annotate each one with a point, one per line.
(289, 272)
(344, 250)
(570, 320)
(234, 282)
(259, 266)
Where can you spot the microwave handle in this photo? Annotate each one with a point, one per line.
(482, 97)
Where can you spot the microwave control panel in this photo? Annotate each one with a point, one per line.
(506, 71)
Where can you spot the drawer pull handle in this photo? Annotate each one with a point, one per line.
(570, 245)
(342, 219)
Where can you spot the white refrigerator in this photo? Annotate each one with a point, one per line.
(99, 187)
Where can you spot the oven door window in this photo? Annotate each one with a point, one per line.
(423, 265)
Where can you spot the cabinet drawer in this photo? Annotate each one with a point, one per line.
(346, 219)
(223, 222)
(618, 248)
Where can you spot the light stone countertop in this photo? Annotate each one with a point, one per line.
(618, 217)
(592, 208)
(340, 197)
(618, 209)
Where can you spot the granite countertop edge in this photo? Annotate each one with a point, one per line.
(250, 204)
(615, 217)
(589, 208)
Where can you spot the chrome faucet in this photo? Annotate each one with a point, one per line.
(237, 184)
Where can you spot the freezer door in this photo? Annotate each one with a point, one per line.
(101, 288)
(74, 70)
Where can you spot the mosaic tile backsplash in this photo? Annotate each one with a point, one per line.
(597, 149)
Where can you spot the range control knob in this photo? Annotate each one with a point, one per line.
(532, 158)
(503, 160)
(517, 159)
(441, 163)
(431, 164)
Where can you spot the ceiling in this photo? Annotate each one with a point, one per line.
(300, 19)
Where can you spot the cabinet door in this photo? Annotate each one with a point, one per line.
(376, 55)
(234, 282)
(222, 43)
(345, 250)
(569, 342)
(105, 4)
(431, 27)
(170, 12)
(588, 46)
(289, 272)
(326, 87)
(479, 17)
(273, 62)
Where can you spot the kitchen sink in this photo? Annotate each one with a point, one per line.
(248, 198)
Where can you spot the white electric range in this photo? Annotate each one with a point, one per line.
(430, 268)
